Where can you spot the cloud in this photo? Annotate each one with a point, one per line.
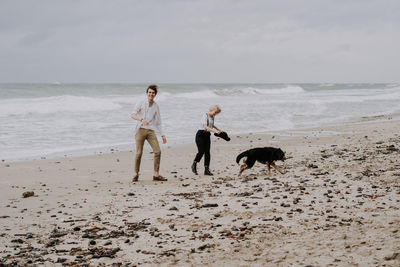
(198, 41)
(343, 48)
(31, 39)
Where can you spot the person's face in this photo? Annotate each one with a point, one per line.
(151, 94)
(214, 112)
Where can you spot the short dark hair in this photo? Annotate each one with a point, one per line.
(153, 87)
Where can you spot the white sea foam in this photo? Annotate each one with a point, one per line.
(290, 89)
(326, 84)
(39, 120)
(203, 94)
(55, 104)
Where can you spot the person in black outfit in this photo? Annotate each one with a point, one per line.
(203, 140)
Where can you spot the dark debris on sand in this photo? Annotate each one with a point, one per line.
(316, 196)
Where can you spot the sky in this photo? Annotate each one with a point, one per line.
(196, 41)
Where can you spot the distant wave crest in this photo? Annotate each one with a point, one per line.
(290, 89)
(54, 104)
(213, 93)
(197, 94)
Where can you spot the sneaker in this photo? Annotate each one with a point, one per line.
(136, 178)
(159, 178)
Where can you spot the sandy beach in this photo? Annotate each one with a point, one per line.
(336, 205)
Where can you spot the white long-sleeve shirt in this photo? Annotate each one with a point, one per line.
(150, 114)
(206, 120)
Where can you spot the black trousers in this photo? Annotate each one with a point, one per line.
(203, 142)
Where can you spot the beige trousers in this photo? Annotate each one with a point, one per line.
(150, 136)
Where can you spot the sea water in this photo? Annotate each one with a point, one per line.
(42, 120)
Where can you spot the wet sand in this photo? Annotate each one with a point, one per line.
(336, 205)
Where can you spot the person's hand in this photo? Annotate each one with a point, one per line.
(145, 122)
(164, 140)
(218, 132)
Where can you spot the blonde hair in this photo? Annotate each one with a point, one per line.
(215, 107)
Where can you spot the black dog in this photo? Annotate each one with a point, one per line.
(223, 135)
(265, 155)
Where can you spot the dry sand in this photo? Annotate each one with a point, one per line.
(336, 205)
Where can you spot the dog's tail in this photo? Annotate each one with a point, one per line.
(241, 155)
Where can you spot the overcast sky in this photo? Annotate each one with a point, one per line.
(200, 41)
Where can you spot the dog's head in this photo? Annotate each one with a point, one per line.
(279, 154)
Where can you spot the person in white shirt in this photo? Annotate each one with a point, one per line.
(203, 140)
(147, 113)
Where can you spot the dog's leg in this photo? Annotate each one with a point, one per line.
(242, 168)
(269, 170)
(277, 168)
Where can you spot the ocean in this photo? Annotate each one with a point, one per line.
(51, 120)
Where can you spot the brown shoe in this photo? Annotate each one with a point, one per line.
(136, 178)
(159, 178)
